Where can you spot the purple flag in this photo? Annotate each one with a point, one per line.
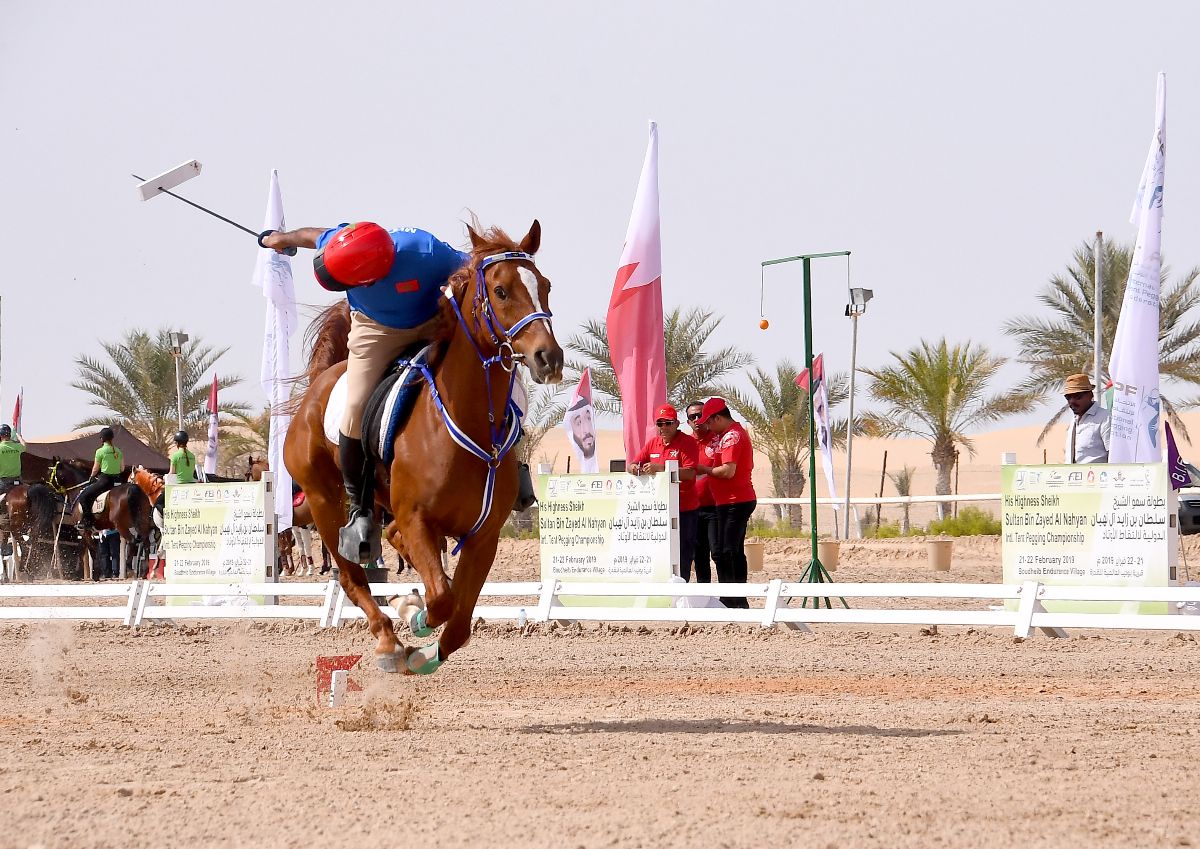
(1175, 467)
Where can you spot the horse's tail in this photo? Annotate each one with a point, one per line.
(328, 343)
(43, 510)
(138, 505)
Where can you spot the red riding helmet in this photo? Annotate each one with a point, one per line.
(357, 255)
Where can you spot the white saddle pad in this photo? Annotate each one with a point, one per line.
(334, 410)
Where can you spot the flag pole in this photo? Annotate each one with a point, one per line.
(815, 572)
(1098, 309)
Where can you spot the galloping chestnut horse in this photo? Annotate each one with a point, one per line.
(498, 317)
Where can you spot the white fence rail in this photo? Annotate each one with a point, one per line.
(888, 499)
(536, 601)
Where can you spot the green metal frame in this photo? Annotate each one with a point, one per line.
(815, 572)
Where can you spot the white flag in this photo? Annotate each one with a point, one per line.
(1133, 368)
(273, 275)
(815, 383)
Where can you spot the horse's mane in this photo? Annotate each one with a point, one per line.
(327, 340)
(328, 337)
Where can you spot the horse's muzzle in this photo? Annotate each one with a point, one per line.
(546, 364)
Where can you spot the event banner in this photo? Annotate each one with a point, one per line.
(216, 533)
(609, 527)
(1087, 525)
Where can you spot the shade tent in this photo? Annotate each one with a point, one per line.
(82, 445)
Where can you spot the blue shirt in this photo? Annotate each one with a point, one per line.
(409, 295)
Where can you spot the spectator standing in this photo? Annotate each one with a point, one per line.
(706, 515)
(1090, 431)
(108, 556)
(732, 490)
(668, 443)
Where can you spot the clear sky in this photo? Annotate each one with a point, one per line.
(961, 151)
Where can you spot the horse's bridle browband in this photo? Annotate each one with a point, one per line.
(489, 315)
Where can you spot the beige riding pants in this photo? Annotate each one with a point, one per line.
(373, 347)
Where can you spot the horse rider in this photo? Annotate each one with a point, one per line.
(108, 464)
(12, 446)
(393, 280)
(183, 462)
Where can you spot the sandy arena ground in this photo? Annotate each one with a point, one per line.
(198, 735)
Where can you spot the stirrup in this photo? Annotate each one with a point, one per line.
(358, 541)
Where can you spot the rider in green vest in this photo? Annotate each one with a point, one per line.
(183, 462)
(10, 458)
(109, 462)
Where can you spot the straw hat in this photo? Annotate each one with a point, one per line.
(1078, 383)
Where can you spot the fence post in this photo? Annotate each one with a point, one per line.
(772, 602)
(546, 600)
(331, 588)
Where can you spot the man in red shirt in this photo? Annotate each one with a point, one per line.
(733, 492)
(669, 444)
(706, 516)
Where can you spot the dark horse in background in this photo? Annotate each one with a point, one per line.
(434, 488)
(44, 481)
(127, 511)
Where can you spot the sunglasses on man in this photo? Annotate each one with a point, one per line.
(693, 416)
(665, 422)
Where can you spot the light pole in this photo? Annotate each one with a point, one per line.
(177, 340)
(856, 307)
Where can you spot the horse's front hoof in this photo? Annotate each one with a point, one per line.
(393, 661)
(424, 660)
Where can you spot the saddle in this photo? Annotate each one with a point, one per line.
(389, 406)
(101, 502)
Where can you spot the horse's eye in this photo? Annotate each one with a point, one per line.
(500, 293)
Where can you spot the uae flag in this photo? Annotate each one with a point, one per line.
(635, 312)
(16, 417)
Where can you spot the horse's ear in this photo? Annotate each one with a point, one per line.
(533, 239)
(476, 241)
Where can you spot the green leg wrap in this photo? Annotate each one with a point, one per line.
(424, 660)
(418, 624)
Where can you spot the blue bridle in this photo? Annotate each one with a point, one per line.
(505, 434)
(489, 316)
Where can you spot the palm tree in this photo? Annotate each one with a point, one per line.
(777, 413)
(691, 371)
(247, 435)
(137, 387)
(937, 392)
(1061, 344)
(902, 480)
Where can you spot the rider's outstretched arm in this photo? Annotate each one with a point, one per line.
(305, 237)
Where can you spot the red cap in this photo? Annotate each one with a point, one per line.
(666, 411)
(711, 407)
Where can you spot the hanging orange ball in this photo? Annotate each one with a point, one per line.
(764, 324)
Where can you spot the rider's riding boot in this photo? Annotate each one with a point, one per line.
(358, 541)
(525, 494)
